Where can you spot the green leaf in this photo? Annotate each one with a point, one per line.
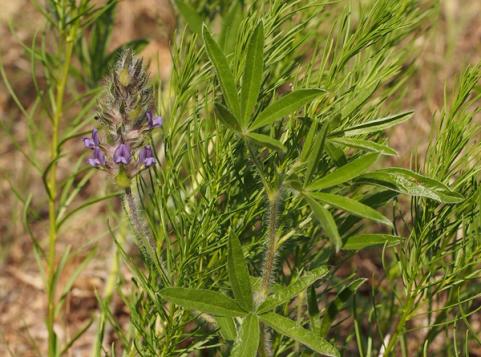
(408, 182)
(326, 220)
(193, 20)
(365, 145)
(239, 275)
(226, 327)
(247, 341)
(344, 173)
(226, 117)
(226, 78)
(267, 141)
(284, 106)
(315, 153)
(291, 329)
(377, 124)
(308, 142)
(253, 72)
(230, 27)
(362, 241)
(284, 294)
(351, 206)
(203, 300)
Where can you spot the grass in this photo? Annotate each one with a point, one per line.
(270, 190)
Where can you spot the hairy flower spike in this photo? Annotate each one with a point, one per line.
(126, 116)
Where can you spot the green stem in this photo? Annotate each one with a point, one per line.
(52, 187)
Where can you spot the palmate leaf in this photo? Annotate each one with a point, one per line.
(203, 300)
(253, 72)
(291, 329)
(361, 241)
(247, 341)
(326, 220)
(408, 182)
(224, 73)
(284, 294)
(239, 275)
(284, 106)
(344, 173)
(352, 206)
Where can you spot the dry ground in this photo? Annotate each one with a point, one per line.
(455, 41)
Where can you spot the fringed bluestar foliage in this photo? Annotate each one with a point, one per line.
(126, 118)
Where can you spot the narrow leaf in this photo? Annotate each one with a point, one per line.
(224, 74)
(344, 173)
(365, 145)
(308, 142)
(226, 117)
(267, 141)
(190, 16)
(408, 182)
(284, 106)
(284, 294)
(377, 124)
(203, 300)
(326, 220)
(351, 206)
(362, 241)
(315, 153)
(291, 329)
(230, 27)
(253, 71)
(239, 275)
(247, 341)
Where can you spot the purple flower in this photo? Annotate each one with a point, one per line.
(122, 154)
(146, 156)
(154, 121)
(92, 143)
(97, 159)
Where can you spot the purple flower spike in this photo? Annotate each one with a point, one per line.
(146, 156)
(154, 121)
(97, 159)
(92, 143)
(122, 154)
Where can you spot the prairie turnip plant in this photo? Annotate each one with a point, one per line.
(257, 177)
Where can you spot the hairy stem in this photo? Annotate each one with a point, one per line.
(69, 41)
(145, 240)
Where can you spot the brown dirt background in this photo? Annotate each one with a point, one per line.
(453, 43)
